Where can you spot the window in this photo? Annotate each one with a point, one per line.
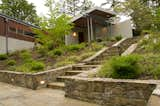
(20, 31)
(12, 29)
(29, 33)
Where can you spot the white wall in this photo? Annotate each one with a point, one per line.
(14, 44)
(123, 28)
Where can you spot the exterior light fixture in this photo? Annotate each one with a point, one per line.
(74, 34)
(42, 82)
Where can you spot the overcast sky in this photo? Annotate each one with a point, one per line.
(41, 9)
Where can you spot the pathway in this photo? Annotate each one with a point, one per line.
(17, 96)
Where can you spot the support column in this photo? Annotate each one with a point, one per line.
(88, 25)
(91, 25)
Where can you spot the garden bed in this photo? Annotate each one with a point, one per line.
(40, 59)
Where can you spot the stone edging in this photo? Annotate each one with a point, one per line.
(109, 92)
(32, 81)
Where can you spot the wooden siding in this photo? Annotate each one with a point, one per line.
(17, 26)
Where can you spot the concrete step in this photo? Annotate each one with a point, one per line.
(62, 78)
(75, 72)
(83, 67)
(95, 63)
(56, 85)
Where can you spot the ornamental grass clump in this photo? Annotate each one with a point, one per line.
(125, 67)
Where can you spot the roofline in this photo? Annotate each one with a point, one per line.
(18, 21)
(91, 10)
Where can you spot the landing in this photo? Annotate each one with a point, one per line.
(17, 96)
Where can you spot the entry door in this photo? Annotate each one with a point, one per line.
(81, 37)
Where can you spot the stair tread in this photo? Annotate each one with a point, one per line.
(75, 71)
(85, 66)
(57, 84)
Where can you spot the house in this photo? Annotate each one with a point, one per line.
(97, 24)
(15, 34)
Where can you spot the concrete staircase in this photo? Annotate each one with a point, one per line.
(114, 50)
(76, 69)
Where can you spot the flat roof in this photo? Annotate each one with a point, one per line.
(17, 20)
(95, 11)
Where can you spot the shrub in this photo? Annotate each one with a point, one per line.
(118, 38)
(151, 43)
(125, 67)
(42, 50)
(64, 63)
(11, 62)
(96, 46)
(3, 56)
(76, 47)
(25, 55)
(55, 52)
(33, 66)
(37, 66)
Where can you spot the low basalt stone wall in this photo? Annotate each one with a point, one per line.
(32, 81)
(109, 92)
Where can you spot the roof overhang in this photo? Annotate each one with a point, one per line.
(97, 11)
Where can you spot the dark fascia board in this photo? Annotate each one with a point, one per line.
(18, 21)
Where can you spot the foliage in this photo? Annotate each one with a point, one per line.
(76, 47)
(86, 55)
(113, 3)
(56, 52)
(118, 37)
(142, 16)
(151, 42)
(64, 63)
(3, 56)
(86, 5)
(25, 55)
(125, 67)
(151, 65)
(96, 46)
(75, 7)
(19, 9)
(11, 62)
(54, 27)
(32, 66)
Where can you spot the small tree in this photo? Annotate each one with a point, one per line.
(54, 27)
(141, 15)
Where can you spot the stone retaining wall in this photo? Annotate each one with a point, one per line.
(109, 92)
(32, 81)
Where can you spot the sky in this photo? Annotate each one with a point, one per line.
(42, 10)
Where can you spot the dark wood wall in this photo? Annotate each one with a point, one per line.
(16, 27)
